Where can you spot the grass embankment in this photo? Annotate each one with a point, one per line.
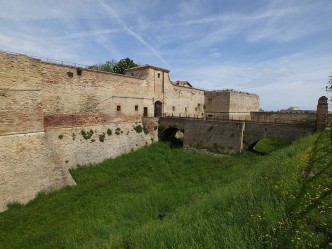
(282, 200)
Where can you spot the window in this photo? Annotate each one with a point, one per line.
(185, 109)
(118, 108)
(158, 75)
(199, 106)
(196, 109)
(136, 107)
(173, 108)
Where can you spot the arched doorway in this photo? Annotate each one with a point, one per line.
(158, 109)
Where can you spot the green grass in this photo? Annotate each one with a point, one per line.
(242, 201)
(268, 145)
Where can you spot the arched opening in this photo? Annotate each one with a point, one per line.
(265, 146)
(174, 136)
(158, 109)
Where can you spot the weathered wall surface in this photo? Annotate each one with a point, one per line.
(202, 133)
(227, 135)
(241, 104)
(282, 117)
(183, 101)
(217, 104)
(27, 166)
(20, 95)
(257, 131)
(95, 93)
(73, 148)
(230, 104)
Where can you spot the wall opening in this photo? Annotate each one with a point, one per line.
(145, 112)
(174, 136)
(158, 109)
(265, 146)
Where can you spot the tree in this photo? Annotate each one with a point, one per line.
(124, 64)
(107, 66)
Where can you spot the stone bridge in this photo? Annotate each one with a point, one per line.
(232, 136)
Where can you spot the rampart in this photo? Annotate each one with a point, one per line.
(229, 104)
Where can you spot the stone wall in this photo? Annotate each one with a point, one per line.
(230, 105)
(256, 131)
(91, 144)
(20, 95)
(97, 93)
(183, 101)
(283, 117)
(225, 135)
(27, 166)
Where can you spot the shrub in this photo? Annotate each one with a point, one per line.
(79, 71)
(87, 135)
(102, 137)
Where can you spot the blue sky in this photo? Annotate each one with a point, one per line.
(278, 49)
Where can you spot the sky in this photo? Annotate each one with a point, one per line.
(278, 49)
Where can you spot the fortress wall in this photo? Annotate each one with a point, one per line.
(94, 93)
(230, 104)
(209, 134)
(282, 117)
(20, 111)
(20, 95)
(72, 148)
(241, 104)
(217, 104)
(187, 102)
(27, 166)
(257, 131)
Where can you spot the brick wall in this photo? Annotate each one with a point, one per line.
(27, 167)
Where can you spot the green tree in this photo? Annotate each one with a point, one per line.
(124, 64)
(107, 66)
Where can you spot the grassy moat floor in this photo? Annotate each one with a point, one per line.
(159, 197)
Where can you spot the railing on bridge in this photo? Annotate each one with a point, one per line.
(305, 123)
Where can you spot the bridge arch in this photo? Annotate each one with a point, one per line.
(173, 135)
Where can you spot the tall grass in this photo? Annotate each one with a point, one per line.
(243, 201)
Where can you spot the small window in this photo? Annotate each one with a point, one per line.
(145, 112)
(196, 109)
(136, 107)
(158, 75)
(185, 109)
(173, 108)
(199, 105)
(118, 108)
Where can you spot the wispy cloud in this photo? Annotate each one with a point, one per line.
(132, 33)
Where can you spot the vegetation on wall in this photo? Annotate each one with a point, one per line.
(79, 71)
(86, 134)
(109, 132)
(114, 66)
(102, 137)
(70, 74)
